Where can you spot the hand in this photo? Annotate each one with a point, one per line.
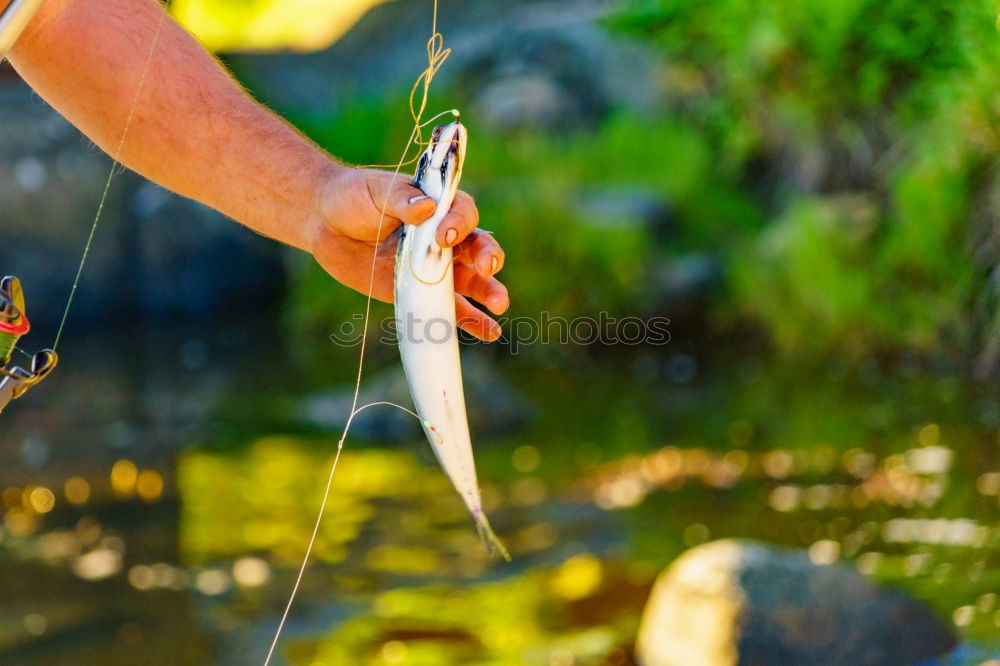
(361, 207)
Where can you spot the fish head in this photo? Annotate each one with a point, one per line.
(440, 167)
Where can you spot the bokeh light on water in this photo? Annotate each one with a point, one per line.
(801, 222)
(896, 480)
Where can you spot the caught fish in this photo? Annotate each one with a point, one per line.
(425, 318)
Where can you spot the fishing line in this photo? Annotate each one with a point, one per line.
(115, 164)
(424, 422)
(423, 281)
(453, 112)
(419, 142)
(436, 55)
(347, 427)
(116, 167)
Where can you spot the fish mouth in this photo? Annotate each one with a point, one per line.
(457, 145)
(448, 142)
(436, 134)
(458, 140)
(440, 167)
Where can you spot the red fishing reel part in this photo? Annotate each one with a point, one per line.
(15, 380)
(18, 327)
(13, 321)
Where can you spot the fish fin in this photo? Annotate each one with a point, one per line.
(390, 246)
(492, 543)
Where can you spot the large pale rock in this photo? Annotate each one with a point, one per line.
(738, 602)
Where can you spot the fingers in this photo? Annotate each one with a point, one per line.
(483, 251)
(349, 261)
(459, 222)
(396, 197)
(487, 290)
(345, 249)
(475, 322)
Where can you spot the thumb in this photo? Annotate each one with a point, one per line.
(403, 201)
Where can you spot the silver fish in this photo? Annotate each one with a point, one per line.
(426, 328)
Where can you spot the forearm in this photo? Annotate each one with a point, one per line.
(193, 129)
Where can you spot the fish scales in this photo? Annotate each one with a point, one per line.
(426, 324)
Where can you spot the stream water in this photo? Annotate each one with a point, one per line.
(159, 491)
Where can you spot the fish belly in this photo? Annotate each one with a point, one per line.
(428, 342)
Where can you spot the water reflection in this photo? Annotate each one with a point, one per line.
(176, 537)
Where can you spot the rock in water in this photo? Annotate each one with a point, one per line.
(739, 602)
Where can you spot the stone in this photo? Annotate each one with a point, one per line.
(556, 58)
(530, 100)
(740, 602)
(683, 282)
(629, 208)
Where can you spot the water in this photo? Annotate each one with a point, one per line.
(197, 460)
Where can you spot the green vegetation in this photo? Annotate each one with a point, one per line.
(839, 158)
(528, 187)
(871, 123)
(593, 507)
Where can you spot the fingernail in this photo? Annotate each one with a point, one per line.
(450, 237)
(419, 197)
(494, 264)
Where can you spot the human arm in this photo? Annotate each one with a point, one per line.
(194, 131)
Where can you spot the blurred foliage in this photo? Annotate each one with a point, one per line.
(839, 159)
(266, 501)
(255, 25)
(626, 465)
(530, 188)
(594, 506)
(869, 127)
(523, 620)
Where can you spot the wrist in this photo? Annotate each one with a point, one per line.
(325, 187)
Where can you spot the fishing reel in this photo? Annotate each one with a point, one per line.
(15, 381)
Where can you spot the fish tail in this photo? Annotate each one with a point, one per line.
(492, 543)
